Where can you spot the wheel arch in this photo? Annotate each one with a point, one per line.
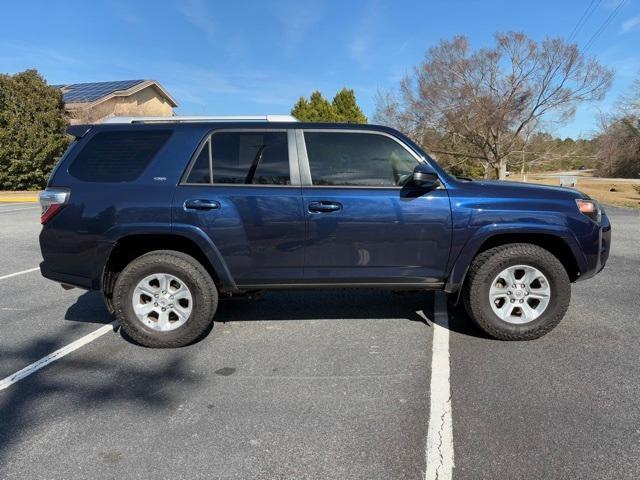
(129, 247)
(561, 245)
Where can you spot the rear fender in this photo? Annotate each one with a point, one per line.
(195, 234)
(204, 242)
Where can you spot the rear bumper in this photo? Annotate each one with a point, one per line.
(72, 258)
(76, 281)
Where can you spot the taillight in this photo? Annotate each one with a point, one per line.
(590, 208)
(52, 200)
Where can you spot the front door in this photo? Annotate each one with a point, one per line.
(239, 191)
(363, 226)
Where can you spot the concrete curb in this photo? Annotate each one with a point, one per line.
(18, 197)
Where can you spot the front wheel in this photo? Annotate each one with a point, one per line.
(165, 299)
(517, 291)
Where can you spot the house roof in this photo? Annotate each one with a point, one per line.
(97, 92)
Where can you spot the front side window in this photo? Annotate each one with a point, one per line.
(243, 158)
(357, 159)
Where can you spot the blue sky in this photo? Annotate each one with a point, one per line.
(242, 57)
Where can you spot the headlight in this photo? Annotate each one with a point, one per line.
(590, 208)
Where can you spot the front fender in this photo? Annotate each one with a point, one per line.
(461, 264)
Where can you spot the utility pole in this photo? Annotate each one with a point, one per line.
(522, 171)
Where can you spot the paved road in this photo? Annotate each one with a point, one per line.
(586, 175)
(317, 385)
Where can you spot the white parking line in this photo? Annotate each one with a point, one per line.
(18, 209)
(52, 357)
(15, 204)
(4, 277)
(439, 451)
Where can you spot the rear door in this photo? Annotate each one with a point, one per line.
(363, 226)
(242, 191)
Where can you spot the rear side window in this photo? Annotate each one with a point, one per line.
(117, 156)
(201, 169)
(243, 158)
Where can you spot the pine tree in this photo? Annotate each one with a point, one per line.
(346, 108)
(32, 130)
(301, 109)
(318, 109)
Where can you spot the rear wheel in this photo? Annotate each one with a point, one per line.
(517, 291)
(165, 299)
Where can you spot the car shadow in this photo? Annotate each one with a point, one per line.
(346, 304)
(343, 304)
(460, 322)
(81, 381)
(89, 308)
(338, 304)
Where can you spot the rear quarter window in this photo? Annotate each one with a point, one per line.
(119, 156)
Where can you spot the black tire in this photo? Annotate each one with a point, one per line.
(192, 273)
(484, 269)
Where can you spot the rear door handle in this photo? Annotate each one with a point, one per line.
(324, 206)
(200, 204)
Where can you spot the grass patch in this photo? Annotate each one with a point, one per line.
(612, 192)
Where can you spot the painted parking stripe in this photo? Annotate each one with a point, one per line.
(439, 450)
(14, 204)
(19, 273)
(58, 354)
(18, 209)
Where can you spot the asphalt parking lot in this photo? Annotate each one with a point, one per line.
(327, 385)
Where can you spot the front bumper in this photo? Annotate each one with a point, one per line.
(598, 259)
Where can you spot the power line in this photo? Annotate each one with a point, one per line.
(604, 25)
(583, 19)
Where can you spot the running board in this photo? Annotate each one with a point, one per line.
(392, 286)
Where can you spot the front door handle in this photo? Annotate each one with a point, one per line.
(324, 206)
(200, 204)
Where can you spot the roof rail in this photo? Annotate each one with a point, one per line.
(205, 118)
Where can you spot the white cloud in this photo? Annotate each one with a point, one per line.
(361, 46)
(35, 55)
(296, 19)
(197, 13)
(126, 13)
(631, 24)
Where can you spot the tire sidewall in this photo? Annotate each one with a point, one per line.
(480, 302)
(196, 281)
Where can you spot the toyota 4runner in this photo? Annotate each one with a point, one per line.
(167, 215)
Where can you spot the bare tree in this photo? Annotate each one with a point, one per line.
(619, 150)
(492, 100)
(619, 138)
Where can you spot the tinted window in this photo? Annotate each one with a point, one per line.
(200, 172)
(358, 159)
(117, 156)
(260, 158)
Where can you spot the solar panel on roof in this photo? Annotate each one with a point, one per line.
(90, 92)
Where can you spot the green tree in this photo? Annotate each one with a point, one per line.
(315, 109)
(32, 130)
(344, 108)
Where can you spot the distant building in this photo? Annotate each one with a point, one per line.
(94, 102)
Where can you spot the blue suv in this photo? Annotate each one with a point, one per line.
(165, 216)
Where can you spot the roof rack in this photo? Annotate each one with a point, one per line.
(187, 119)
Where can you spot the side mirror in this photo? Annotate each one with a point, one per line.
(424, 177)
